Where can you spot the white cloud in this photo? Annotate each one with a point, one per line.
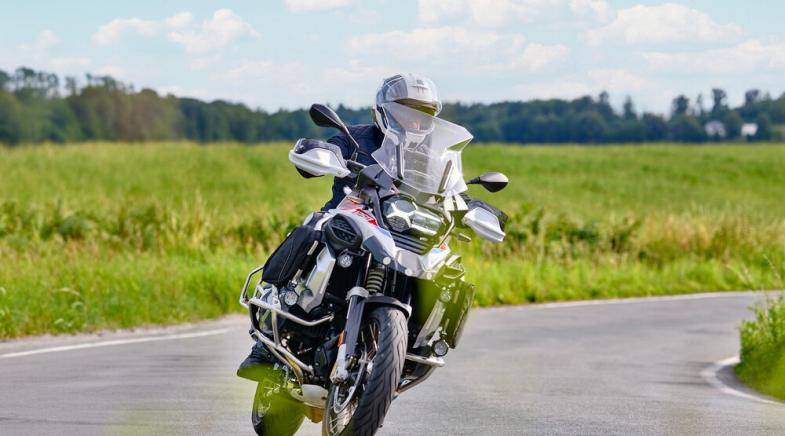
(112, 70)
(355, 71)
(180, 20)
(111, 31)
(746, 57)
(592, 10)
(269, 70)
(614, 80)
(617, 80)
(44, 41)
(353, 82)
(254, 69)
(183, 92)
(535, 56)
(300, 83)
(566, 89)
(42, 53)
(432, 11)
(483, 12)
(67, 63)
(315, 5)
(224, 27)
(463, 48)
(436, 45)
(204, 62)
(664, 23)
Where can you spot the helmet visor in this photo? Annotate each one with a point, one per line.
(404, 118)
(427, 107)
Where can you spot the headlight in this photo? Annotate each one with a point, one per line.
(401, 215)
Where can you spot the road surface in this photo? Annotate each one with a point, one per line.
(604, 368)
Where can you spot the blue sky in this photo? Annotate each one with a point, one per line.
(290, 53)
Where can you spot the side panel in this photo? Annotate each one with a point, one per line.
(312, 289)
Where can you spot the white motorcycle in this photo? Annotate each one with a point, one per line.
(361, 303)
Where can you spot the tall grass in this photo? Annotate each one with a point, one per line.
(110, 235)
(763, 349)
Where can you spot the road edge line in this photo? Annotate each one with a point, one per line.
(114, 343)
(630, 300)
(709, 374)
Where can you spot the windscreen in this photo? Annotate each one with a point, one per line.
(422, 151)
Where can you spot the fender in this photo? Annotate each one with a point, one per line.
(384, 300)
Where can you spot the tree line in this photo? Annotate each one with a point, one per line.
(37, 106)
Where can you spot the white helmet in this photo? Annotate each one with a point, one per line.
(410, 90)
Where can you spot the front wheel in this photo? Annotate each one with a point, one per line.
(357, 407)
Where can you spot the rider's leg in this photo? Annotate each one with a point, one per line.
(257, 363)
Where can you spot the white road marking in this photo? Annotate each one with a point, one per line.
(710, 375)
(115, 342)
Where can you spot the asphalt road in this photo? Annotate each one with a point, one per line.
(574, 369)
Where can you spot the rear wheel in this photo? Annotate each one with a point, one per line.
(275, 412)
(357, 407)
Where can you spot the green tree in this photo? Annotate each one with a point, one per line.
(589, 127)
(685, 128)
(680, 105)
(719, 105)
(62, 123)
(5, 81)
(629, 109)
(654, 127)
(764, 132)
(10, 119)
(733, 123)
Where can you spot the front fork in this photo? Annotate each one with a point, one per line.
(346, 351)
(359, 300)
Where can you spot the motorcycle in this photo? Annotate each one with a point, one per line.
(365, 300)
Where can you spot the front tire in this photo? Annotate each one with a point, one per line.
(275, 413)
(358, 408)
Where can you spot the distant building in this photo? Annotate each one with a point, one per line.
(749, 130)
(715, 129)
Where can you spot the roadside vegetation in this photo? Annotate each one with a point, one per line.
(108, 235)
(763, 349)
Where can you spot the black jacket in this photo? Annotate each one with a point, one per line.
(369, 137)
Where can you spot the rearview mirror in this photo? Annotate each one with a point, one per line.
(323, 116)
(492, 182)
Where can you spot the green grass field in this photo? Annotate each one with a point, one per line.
(111, 235)
(763, 349)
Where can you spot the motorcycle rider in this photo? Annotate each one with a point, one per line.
(411, 90)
